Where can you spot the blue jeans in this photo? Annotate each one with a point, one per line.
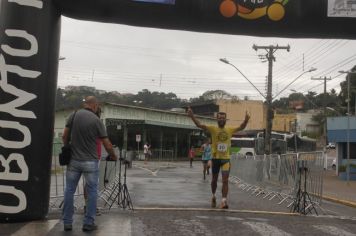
(90, 170)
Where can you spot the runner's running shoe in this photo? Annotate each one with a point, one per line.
(224, 205)
(213, 202)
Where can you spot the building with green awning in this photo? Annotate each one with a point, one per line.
(164, 130)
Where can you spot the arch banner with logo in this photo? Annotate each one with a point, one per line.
(29, 46)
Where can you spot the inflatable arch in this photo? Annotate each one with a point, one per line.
(29, 47)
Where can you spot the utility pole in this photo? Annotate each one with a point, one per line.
(324, 105)
(270, 57)
(295, 136)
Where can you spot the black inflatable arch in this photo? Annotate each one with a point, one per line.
(29, 46)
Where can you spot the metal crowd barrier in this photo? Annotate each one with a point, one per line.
(162, 155)
(275, 176)
(315, 168)
(58, 180)
(155, 155)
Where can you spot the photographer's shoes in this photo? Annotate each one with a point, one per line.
(87, 228)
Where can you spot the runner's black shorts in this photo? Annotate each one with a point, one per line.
(223, 164)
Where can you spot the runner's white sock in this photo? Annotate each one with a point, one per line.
(223, 199)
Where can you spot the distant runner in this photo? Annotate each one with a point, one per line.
(191, 155)
(206, 157)
(221, 143)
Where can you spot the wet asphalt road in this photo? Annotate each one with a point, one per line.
(175, 200)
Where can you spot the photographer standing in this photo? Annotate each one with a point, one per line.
(86, 129)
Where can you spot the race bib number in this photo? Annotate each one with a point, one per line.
(222, 147)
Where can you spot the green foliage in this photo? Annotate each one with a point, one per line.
(342, 168)
(343, 93)
(313, 135)
(72, 97)
(213, 95)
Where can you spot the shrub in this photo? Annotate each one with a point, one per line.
(342, 168)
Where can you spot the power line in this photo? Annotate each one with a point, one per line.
(270, 57)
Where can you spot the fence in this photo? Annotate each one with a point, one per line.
(155, 155)
(275, 176)
(162, 155)
(107, 174)
(315, 166)
(266, 176)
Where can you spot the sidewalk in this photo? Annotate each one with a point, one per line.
(337, 190)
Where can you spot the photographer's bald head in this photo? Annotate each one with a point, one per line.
(92, 103)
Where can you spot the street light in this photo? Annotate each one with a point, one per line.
(60, 58)
(267, 138)
(227, 62)
(332, 109)
(348, 123)
(307, 71)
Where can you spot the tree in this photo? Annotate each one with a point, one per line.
(281, 105)
(343, 93)
(60, 95)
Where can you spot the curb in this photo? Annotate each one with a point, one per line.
(214, 210)
(336, 200)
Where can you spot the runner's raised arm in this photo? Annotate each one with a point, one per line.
(244, 123)
(195, 120)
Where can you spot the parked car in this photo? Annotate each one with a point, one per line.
(330, 146)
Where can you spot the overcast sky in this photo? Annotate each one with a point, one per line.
(128, 59)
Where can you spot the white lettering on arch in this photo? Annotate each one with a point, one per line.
(18, 194)
(23, 97)
(7, 174)
(30, 3)
(21, 52)
(15, 144)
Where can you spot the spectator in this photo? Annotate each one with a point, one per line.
(146, 151)
(86, 129)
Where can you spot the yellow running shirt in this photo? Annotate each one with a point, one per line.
(221, 141)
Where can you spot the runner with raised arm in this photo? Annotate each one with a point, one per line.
(221, 143)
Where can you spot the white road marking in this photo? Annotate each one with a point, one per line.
(333, 230)
(266, 229)
(230, 218)
(154, 173)
(37, 228)
(258, 219)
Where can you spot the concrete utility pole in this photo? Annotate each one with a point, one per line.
(324, 106)
(270, 57)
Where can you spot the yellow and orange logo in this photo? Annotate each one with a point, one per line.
(274, 9)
